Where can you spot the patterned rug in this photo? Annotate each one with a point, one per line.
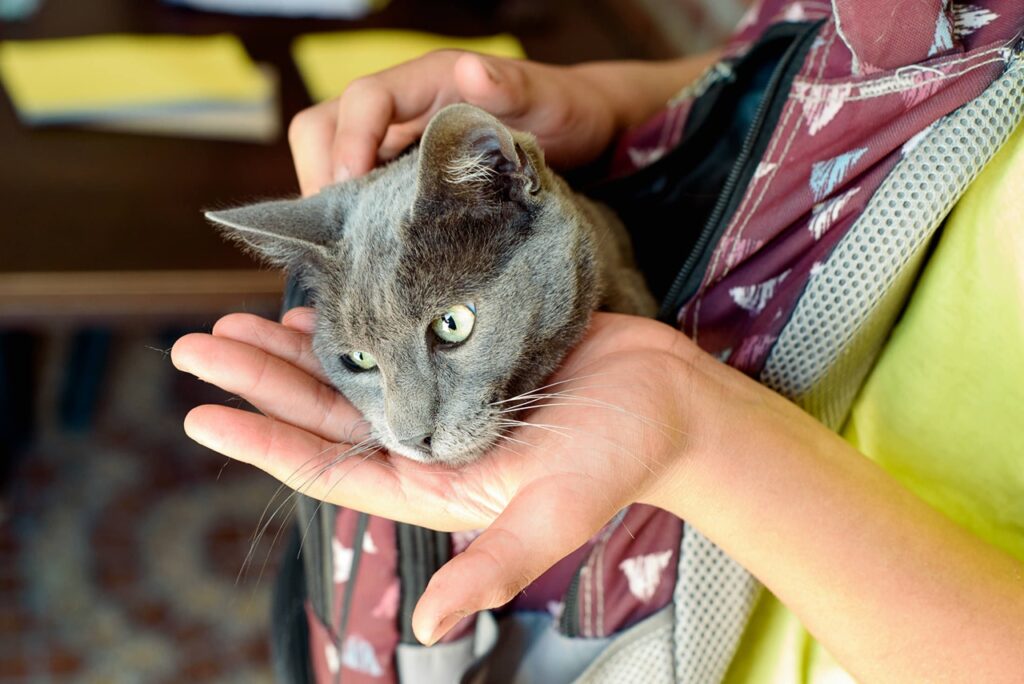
(120, 546)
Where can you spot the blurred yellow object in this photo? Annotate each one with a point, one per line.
(74, 78)
(330, 61)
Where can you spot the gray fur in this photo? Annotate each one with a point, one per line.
(471, 216)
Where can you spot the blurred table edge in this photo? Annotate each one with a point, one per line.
(33, 298)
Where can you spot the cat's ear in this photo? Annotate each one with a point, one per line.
(293, 233)
(467, 153)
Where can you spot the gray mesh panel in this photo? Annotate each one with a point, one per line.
(827, 348)
(714, 598)
(641, 655)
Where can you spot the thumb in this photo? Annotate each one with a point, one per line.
(499, 86)
(540, 526)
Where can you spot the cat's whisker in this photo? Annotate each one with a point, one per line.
(505, 447)
(517, 441)
(531, 399)
(285, 483)
(320, 501)
(295, 500)
(550, 384)
(591, 402)
(264, 525)
(264, 522)
(560, 430)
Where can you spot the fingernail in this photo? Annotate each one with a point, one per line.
(341, 174)
(445, 626)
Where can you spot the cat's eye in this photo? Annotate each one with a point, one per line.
(358, 361)
(455, 324)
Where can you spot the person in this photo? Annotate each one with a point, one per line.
(890, 585)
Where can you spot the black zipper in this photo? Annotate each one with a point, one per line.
(569, 623)
(688, 279)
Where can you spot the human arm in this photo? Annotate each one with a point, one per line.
(380, 115)
(892, 588)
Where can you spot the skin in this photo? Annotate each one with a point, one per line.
(892, 588)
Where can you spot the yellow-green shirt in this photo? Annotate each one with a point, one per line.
(943, 409)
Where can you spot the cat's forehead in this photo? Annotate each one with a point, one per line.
(386, 290)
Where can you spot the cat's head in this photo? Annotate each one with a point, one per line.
(446, 282)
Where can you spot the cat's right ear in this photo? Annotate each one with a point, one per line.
(295, 234)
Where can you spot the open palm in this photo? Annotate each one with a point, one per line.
(599, 436)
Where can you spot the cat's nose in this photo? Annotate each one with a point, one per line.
(419, 442)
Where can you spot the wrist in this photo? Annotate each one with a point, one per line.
(731, 421)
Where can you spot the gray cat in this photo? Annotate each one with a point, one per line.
(455, 277)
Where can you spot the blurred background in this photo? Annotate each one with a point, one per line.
(123, 546)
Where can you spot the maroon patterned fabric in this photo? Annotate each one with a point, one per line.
(860, 99)
(877, 76)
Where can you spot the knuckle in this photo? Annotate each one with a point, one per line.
(505, 593)
(299, 124)
(443, 55)
(362, 86)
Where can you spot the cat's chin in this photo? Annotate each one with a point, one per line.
(449, 458)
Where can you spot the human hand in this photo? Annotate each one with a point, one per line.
(605, 433)
(575, 112)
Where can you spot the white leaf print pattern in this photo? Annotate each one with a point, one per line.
(969, 18)
(943, 39)
(763, 169)
(827, 175)
(748, 19)
(368, 545)
(358, 654)
(754, 298)
(916, 139)
(752, 349)
(644, 573)
(794, 12)
(331, 656)
(739, 249)
(924, 82)
(822, 103)
(387, 606)
(341, 556)
(641, 158)
(826, 213)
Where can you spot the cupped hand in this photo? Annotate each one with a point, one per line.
(380, 115)
(608, 430)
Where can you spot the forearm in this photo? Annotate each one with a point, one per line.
(892, 588)
(635, 90)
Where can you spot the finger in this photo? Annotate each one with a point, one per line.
(272, 385)
(301, 319)
(528, 96)
(288, 340)
(317, 467)
(366, 109)
(407, 92)
(310, 136)
(499, 86)
(360, 478)
(540, 526)
(400, 136)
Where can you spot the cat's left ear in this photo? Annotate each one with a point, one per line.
(294, 234)
(469, 154)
